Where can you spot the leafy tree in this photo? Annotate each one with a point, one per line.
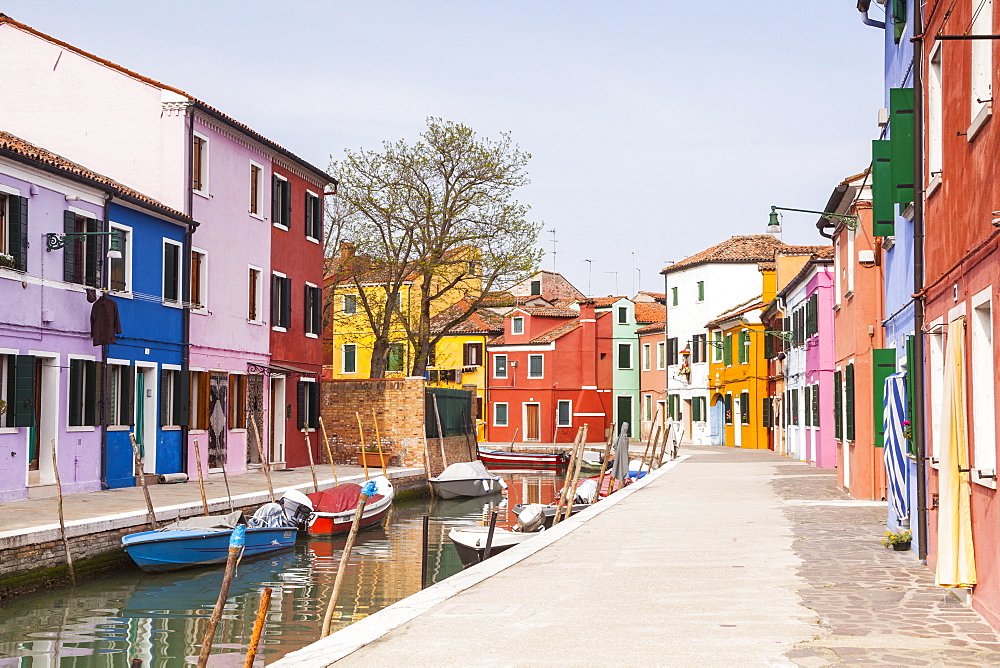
(439, 213)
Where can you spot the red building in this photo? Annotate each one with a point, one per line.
(549, 374)
(296, 318)
(961, 281)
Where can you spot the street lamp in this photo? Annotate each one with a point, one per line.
(774, 224)
(54, 241)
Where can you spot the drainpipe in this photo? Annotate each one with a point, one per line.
(666, 350)
(863, 6)
(918, 283)
(186, 306)
(104, 366)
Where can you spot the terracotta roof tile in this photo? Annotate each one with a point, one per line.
(480, 321)
(654, 327)
(739, 249)
(649, 312)
(604, 302)
(16, 146)
(210, 110)
(549, 312)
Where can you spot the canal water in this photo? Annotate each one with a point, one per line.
(161, 619)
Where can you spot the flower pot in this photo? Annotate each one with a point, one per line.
(371, 459)
(901, 547)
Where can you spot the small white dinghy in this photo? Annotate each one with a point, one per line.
(466, 479)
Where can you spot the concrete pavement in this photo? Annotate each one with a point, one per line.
(727, 557)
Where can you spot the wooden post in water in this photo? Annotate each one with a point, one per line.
(201, 480)
(312, 466)
(62, 520)
(378, 441)
(563, 495)
(437, 416)
(264, 463)
(488, 550)
(652, 453)
(329, 453)
(604, 466)
(423, 553)
(576, 476)
(367, 491)
(237, 540)
(225, 478)
(363, 456)
(258, 626)
(142, 481)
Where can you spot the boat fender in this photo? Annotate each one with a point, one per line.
(168, 478)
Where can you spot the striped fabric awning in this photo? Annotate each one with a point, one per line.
(895, 444)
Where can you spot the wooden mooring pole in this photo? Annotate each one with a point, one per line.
(258, 626)
(237, 541)
(201, 479)
(366, 492)
(142, 481)
(62, 520)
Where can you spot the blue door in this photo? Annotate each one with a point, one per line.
(716, 421)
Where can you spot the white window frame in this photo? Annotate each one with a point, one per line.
(5, 196)
(258, 298)
(618, 356)
(506, 411)
(851, 262)
(355, 309)
(647, 406)
(661, 355)
(280, 328)
(203, 288)
(981, 67)
(308, 213)
(935, 354)
(541, 373)
(935, 110)
(114, 395)
(261, 173)
(647, 357)
(274, 222)
(981, 396)
(623, 315)
(517, 325)
(179, 303)
(127, 246)
(69, 358)
(314, 335)
(343, 358)
(167, 394)
(506, 363)
(205, 148)
(569, 413)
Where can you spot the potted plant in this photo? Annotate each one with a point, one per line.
(6, 260)
(370, 458)
(898, 540)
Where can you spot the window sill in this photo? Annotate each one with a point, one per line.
(310, 335)
(199, 311)
(933, 186)
(170, 427)
(255, 322)
(14, 430)
(171, 304)
(279, 329)
(284, 228)
(118, 427)
(983, 482)
(123, 294)
(312, 240)
(202, 193)
(196, 432)
(979, 121)
(258, 216)
(81, 428)
(240, 430)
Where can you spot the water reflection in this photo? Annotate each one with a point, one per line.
(161, 618)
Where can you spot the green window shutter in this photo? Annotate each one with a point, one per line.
(729, 409)
(314, 389)
(815, 405)
(695, 410)
(765, 412)
(275, 199)
(727, 350)
(92, 393)
(701, 291)
(741, 352)
(849, 402)
(883, 206)
(807, 395)
(898, 20)
(812, 313)
(901, 138)
(17, 225)
(93, 246)
(24, 391)
(883, 366)
(745, 407)
(182, 398)
(77, 376)
(300, 405)
(128, 394)
(286, 302)
(838, 405)
(768, 346)
(69, 251)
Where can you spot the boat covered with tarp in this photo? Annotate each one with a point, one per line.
(334, 508)
(466, 479)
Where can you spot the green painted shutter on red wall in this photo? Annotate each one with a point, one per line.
(883, 208)
(883, 366)
(901, 134)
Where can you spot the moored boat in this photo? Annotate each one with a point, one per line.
(523, 460)
(465, 479)
(335, 507)
(470, 542)
(550, 511)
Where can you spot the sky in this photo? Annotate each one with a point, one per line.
(656, 128)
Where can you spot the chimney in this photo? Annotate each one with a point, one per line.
(588, 343)
(346, 250)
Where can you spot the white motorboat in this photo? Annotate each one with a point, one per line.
(466, 479)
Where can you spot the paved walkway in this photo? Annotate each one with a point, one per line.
(726, 558)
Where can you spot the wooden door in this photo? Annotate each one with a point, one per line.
(218, 417)
(533, 422)
(255, 415)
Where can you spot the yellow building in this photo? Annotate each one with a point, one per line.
(357, 307)
(737, 373)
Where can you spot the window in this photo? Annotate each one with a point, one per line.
(120, 269)
(281, 302)
(517, 325)
(838, 405)
(744, 343)
(198, 281)
(171, 272)
(647, 407)
(281, 201)
(313, 310)
(849, 402)
(699, 348)
(727, 350)
(729, 409)
(745, 407)
(395, 359)
(808, 401)
(981, 397)
(661, 355)
(698, 408)
(766, 418)
(535, 369)
(647, 354)
(308, 404)
(499, 415)
(815, 405)
(624, 355)
(83, 396)
(718, 346)
(934, 113)
(14, 231)
(350, 304)
(701, 291)
(536, 288)
(499, 366)
(120, 406)
(199, 164)
(254, 295)
(564, 413)
(672, 351)
(314, 217)
(622, 315)
(200, 393)
(812, 316)
(673, 296)
(793, 407)
(472, 354)
(256, 189)
(82, 256)
(982, 57)
(237, 401)
(171, 398)
(350, 357)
